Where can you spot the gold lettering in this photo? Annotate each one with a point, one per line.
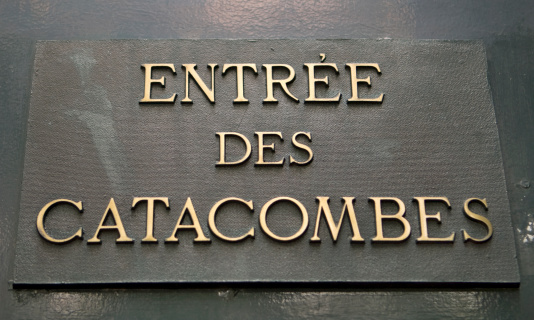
(282, 82)
(354, 80)
(150, 215)
(423, 217)
(222, 148)
(301, 146)
(334, 229)
(195, 226)
(312, 81)
(239, 77)
(262, 146)
(213, 226)
(476, 217)
(190, 69)
(398, 216)
(123, 238)
(263, 219)
(44, 211)
(149, 81)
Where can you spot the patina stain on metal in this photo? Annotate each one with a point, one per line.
(429, 145)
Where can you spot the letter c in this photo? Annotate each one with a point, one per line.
(44, 211)
(213, 227)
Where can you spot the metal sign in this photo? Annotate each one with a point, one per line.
(194, 161)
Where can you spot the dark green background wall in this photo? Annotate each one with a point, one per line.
(506, 27)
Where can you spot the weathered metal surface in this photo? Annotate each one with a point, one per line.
(434, 135)
(505, 28)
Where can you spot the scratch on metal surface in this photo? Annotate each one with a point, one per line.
(100, 123)
(526, 234)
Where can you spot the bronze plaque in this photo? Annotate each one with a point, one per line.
(299, 161)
